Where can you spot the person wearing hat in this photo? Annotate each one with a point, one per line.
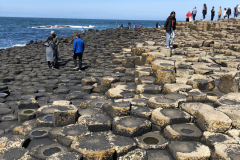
(170, 29)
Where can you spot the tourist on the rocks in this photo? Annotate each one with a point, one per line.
(83, 31)
(204, 11)
(194, 13)
(51, 54)
(129, 25)
(229, 12)
(212, 13)
(169, 28)
(235, 11)
(78, 49)
(189, 15)
(121, 26)
(219, 12)
(157, 25)
(225, 13)
(238, 11)
(56, 42)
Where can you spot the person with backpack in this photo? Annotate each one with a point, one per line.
(51, 54)
(229, 12)
(170, 29)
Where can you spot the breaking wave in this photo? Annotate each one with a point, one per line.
(62, 26)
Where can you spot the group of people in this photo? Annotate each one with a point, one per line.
(226, 14)
(52, 53)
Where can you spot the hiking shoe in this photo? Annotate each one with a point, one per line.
(167, 47)
(80, 70)
(171, 46)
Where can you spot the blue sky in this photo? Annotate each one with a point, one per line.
(109, 9)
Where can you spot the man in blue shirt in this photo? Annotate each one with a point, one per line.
(78, 49)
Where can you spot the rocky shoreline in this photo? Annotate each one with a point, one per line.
(135, 99)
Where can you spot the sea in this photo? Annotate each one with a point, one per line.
(17, 31)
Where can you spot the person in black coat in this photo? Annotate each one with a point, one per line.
(229, 11)
(169, 27)
(212, 13)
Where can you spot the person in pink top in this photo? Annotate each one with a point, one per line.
(188, 16)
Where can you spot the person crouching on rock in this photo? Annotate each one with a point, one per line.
(51, 54)
(169, 27)
(78, 49)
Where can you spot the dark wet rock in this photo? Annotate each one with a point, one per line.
(76, 95)
(139, 111)
(130, 126)
(159, 155)
(30, 103)
(94, 147)
(8, 117)
(5, 111)
(189, 150)
(15, 153)
(45, 121)
(40, 132)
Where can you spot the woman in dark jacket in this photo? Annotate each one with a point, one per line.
(204, 11)
(212, 13)
(50, 52)
(169, 27)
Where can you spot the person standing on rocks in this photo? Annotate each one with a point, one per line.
(235, 11)
(169, 27)
(225, 13)
(78, 49)
(204, 11)
(157, 25)
(189, 15)
(51, 54)
(56, 42)
(129, 25)
(219, 12)
(229, 12)
(212, 13)
(194, 13)
(83, 31)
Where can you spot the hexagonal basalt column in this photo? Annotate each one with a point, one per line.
(191, 108)
(26, 114)
(130, 126)
(65, 115)
(226, 151)
(143, 112)
(148, 89)
(30, 103)
(165, 76)
(45, 121)
(165, 116)
(212, 120)
(44, 151)
(117, 109)
(185, 131)
(106, 83)
(189, 150)
(15, 153)
(65, 155)
(37, 133)
(25, 128)
(201, 82)
(66, 135)
(94, 147)
(139, 154)
(96, 122)
(152, 140)
(211, 138)
(229, 99)
(159, 155)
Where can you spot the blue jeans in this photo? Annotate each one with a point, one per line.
(168, 40)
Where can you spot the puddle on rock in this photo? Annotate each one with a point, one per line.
(28, 111)
(50, 151)
(150, 140)
(38, 133)
(187, 131)
(48, 118)
(99, 104)
(7, 118)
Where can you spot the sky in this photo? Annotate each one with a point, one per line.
(110, 9)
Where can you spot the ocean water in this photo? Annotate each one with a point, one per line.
(19, 31)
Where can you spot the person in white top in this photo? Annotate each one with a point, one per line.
(225, 13)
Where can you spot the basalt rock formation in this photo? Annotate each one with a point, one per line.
(134, 98)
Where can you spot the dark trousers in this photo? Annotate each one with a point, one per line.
(219, 16)
(204, 15)
(228, 16)
(187, 19)
(79, 55)
(212, 16)
(194, 15)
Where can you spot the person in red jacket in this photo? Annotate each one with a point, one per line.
(188, 16)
